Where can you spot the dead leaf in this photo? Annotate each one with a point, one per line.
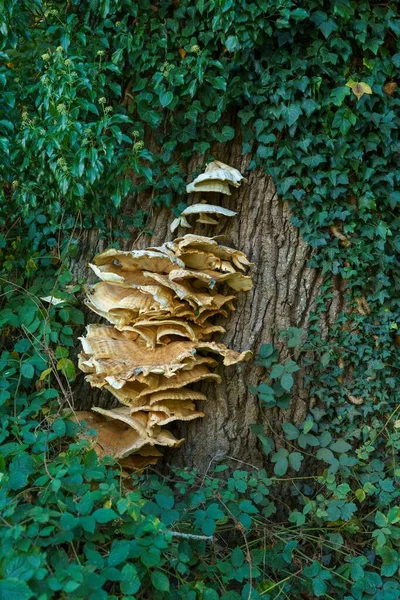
(359, 88)
(390, 88)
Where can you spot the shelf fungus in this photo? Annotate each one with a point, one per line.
(159, 304)
(217, 178)
(204, 211)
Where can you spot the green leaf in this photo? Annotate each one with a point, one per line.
(266, 350)
(338, 95)
(319, 586)
(308, 425)
(340, 446)
(232, 43)
(326, 455)
(237, 557)
(160, 581)
(380, 519)
(291, 431)
(297, 517)
(27, 370)
(277, 371)
(166, 98)
(248, 507)
(164, 500)
(14, 589)
(208, 526)
(299, 14)
(21, 467)
(67, 368)
(119, 552)
(130, 582)
(105, 515)
(291, 113)
(287, 382)
(22, 345)
(295, 460)
(280, 459)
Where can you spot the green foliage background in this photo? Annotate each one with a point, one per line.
(82, 85)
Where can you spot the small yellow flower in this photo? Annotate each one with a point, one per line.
(100, 52)
(59, 48)
(68, 62)
(102, 100)
(46, 56)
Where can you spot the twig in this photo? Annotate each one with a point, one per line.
(191, 536)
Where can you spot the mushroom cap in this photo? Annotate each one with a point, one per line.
(119, 440)
(200, 209)
(217, 174)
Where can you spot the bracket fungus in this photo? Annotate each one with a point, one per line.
(159, 303)
(216, 178)
(203, 210)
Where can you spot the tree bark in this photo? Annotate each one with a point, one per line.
(284, 294)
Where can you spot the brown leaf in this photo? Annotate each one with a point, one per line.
(390, 88)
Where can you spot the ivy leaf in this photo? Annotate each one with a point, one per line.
(338, 95)
(359, 88)
(327, 27)
(299, 14)
(291, 113)
(232, 43)
(166, 98)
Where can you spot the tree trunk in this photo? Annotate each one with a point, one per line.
(284, 293)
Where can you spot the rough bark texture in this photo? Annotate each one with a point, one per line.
(284, 293)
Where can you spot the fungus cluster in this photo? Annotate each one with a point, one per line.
(160, 304)
(218, 178)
